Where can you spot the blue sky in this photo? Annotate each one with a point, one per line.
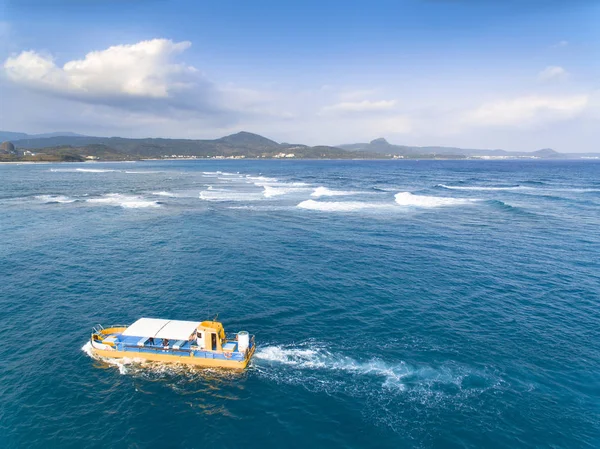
(514, 74)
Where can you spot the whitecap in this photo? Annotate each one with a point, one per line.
(94, 170)
(81, 170)
(125, 201)
(271, 191)
(409, 199)
(229, 195)
(219, 173)
(324, 191)
(163, 193)
(55, 199)
(343, 206)
(261, 178)
(479, 187)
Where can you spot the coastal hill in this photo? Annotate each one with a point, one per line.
(382, 146)
(75, 147)
(239, 145)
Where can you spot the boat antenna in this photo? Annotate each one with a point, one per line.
(215, 318)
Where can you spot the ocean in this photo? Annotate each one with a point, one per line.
(396, 304)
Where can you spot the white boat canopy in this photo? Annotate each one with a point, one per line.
(157, 328)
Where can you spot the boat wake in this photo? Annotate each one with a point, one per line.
(316, 367)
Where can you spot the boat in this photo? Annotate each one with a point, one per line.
(172, 341)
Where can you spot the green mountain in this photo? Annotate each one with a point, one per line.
(242, 144)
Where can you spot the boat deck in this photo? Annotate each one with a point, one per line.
(180, 348)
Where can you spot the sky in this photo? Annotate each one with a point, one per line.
(512, 74)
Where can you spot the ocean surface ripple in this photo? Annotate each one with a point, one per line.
(395, 303)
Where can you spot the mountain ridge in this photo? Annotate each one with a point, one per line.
(381, 145)
(246, 144)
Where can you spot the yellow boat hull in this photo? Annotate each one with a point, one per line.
(166, 358)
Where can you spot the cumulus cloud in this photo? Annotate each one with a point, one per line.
(122, 75)
(359, 106)
(525, 111)
(553, 73)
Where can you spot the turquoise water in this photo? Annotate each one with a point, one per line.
(395, 303)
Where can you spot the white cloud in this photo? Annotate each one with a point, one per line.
(145, 70)
(145, 89)
(561, 44)
(360, 106)
(553, 73)
(526, 111)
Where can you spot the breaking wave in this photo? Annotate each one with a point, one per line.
(229, 195)
(51, 199)
(261, 179)
(408, 199)
(480, 187)
(219, 173)
(94, 170)
(402, 199)
(81, 170)
(271, 191)
(342, 206)
(324, 191)
(125, 201)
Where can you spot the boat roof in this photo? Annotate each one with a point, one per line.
(158, 328)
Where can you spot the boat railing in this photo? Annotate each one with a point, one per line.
(98, 328)
(232, 336)
(184, 351)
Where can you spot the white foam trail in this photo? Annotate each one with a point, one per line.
(221, 173)
(271, 191)
(125, 201)
(343, 206)
(55, 199)
(324, 191)
(408, 199)
(81, 170)
(321, 359)
(395, 375)
(229, 195)
(398, 376)
(261, 178)
(142, 172)
(121, 364)
(480, 187)
(163, 193)
(94, 170)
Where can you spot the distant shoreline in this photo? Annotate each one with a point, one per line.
(581, 159)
